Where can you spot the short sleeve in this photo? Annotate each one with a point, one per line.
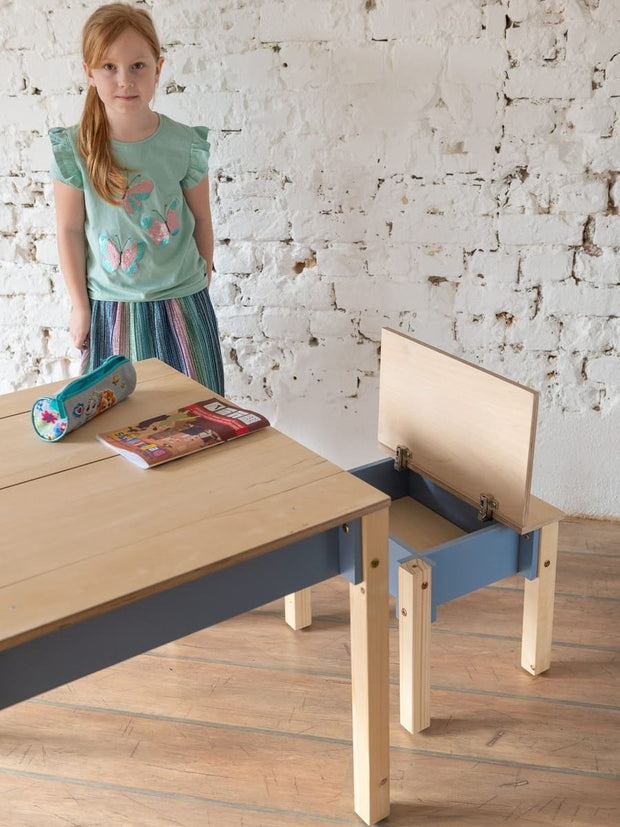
(64, 165)
(198, 157)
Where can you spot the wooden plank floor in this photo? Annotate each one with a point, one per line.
(247, 724)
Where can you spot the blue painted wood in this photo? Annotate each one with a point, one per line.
(350, 552)
(385, 477)
(28, 669)
(442, 502)
(489, 552)
(528, 554)
(397, 484)
(463, 565)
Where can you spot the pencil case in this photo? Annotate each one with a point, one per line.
(83, 399)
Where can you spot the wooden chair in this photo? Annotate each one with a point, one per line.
(462, 515)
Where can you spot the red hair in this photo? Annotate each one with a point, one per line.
(100, 31)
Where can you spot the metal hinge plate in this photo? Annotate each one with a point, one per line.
(487, 506)
(402, 455)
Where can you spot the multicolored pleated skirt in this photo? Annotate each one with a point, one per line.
(181, 332)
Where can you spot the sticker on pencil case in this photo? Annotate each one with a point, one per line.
(83, 399)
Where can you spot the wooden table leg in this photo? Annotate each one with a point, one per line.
(414, 634)
(369, 673)
(538, 603)
(298, 609)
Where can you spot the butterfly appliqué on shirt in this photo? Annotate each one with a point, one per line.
(163, 227)
(116, 257)
(135, 194)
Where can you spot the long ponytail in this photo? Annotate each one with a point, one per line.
(102, 28)
(107, 176)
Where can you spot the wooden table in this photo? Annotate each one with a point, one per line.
(102, 560)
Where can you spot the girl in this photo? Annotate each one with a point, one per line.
(135, 239)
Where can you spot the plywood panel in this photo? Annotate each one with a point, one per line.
(103, 575)
(418, 526)
(246, 497)
(25, 456)
(539, 514)
(469, 430)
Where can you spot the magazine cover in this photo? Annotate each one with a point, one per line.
(184, 431)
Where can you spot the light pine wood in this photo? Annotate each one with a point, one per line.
(248, 723)
(96, 571)
(369, 673)
(473, 433)
(422, 529)
(411, 522)
(27, 457)
(149, 370)
(467, 429)
(538, 603)
(298, 609)
(107, 533)
(414, 594)
(540, 514)
(245, 496)
(419, 527)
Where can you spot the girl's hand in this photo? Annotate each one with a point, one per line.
(79, 327)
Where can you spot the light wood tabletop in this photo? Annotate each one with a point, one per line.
(102, 559)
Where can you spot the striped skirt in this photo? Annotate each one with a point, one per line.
(181, 332)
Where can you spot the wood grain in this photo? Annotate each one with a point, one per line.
(246, 496)
(369, 672)
(22, 401)
(248, 724)
(27, 457)
(467, 429)
(418, 526)
(86, 534)
(415, 581)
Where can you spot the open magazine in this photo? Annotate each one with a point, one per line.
(184, 431)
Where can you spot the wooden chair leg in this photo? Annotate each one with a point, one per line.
(538, 603)
(298, 609)
(414, 612)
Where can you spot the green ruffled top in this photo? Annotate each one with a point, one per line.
(143, 249)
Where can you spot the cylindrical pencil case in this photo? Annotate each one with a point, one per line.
(83, 398)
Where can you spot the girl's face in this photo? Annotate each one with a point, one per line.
(127, 76)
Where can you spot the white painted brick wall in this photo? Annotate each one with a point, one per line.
(450, 168)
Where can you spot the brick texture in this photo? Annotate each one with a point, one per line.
(449, 169)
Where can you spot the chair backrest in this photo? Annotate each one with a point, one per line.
(467, 429)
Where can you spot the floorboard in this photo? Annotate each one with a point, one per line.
(248, 724)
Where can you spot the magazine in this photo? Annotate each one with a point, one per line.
(184, 431)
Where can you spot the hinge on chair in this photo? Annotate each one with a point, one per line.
(488, 504)
(402, 455)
